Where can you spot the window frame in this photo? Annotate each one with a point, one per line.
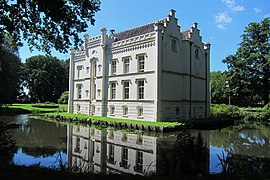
(113, 67)
(113, 90)
(140, 89)
(174, 45)
(141, 62)
(126, 65)
(126, 92)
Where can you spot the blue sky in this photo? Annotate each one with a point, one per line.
(221, 22)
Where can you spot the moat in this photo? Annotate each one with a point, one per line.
(106, 150)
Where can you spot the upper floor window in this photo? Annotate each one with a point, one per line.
(79, 91)
(197, 53)
(126, 90)
(113, 67)
(86, 93)
(79, 68)
(113, 90)
(173, 45)
(87, 70)
(126, 65)
(94, 69)
(141, 62)
(141, 89)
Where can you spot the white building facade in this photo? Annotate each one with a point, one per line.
(153, 72)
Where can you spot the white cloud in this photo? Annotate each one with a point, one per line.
(267, 15)
(257, 10)
(223, 19)
(231, 4)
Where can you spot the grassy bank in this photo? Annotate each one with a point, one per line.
(83, 117)
(32, 108)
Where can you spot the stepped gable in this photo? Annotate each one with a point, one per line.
(134, 32)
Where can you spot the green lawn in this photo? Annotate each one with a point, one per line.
(117, 120)
(28, 107)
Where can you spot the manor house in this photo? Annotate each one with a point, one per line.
(154, 72)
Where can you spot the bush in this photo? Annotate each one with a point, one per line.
(223, 110)
(63, 98)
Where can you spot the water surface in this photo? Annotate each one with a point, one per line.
(112, 151)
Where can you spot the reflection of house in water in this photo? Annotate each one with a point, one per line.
(109, 151)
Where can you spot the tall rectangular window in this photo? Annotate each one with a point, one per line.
(139, 161)
(141, 89)
(79, 68)
(113, 67)
(95, 69)
(124, 161)
(79, 91)
(113, 90)
(126, 65)
(112, 110)
(94, 91)
(126, 90)
(141, 63)
(111, 154)
(173, 45)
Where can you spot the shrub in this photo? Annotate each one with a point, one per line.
(223, 110)
(63, 98)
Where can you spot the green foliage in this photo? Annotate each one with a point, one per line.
(9, 75)
(45, 77)
(249, 67)
(63, 98)
(219, 91)
(7, 145)
(223, 110)
(46, 24)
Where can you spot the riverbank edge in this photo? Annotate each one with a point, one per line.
(117, 123)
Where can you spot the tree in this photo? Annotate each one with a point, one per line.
(219, 91)
(63, 98)
(44, 24)
(9, 74)
(249, 67)
(45, 77)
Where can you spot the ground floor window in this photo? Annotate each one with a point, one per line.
(125, 111)
(112, 110)
(140, 112)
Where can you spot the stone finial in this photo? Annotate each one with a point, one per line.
(72, 50)
(172, 12)
(195, 25)
(207, 45)
(103, 30)
(86, 36)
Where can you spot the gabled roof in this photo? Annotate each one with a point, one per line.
(134, 32)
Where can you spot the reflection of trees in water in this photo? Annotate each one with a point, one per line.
(248, 150)
(42, 138)
(41, 151)
(7, 146)
(188, 155)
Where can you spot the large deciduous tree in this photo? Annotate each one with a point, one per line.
(249, 67)
(219, 88)
(9, 74)
(44, 24)
(45, 77)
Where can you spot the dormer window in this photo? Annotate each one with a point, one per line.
(173, 45)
